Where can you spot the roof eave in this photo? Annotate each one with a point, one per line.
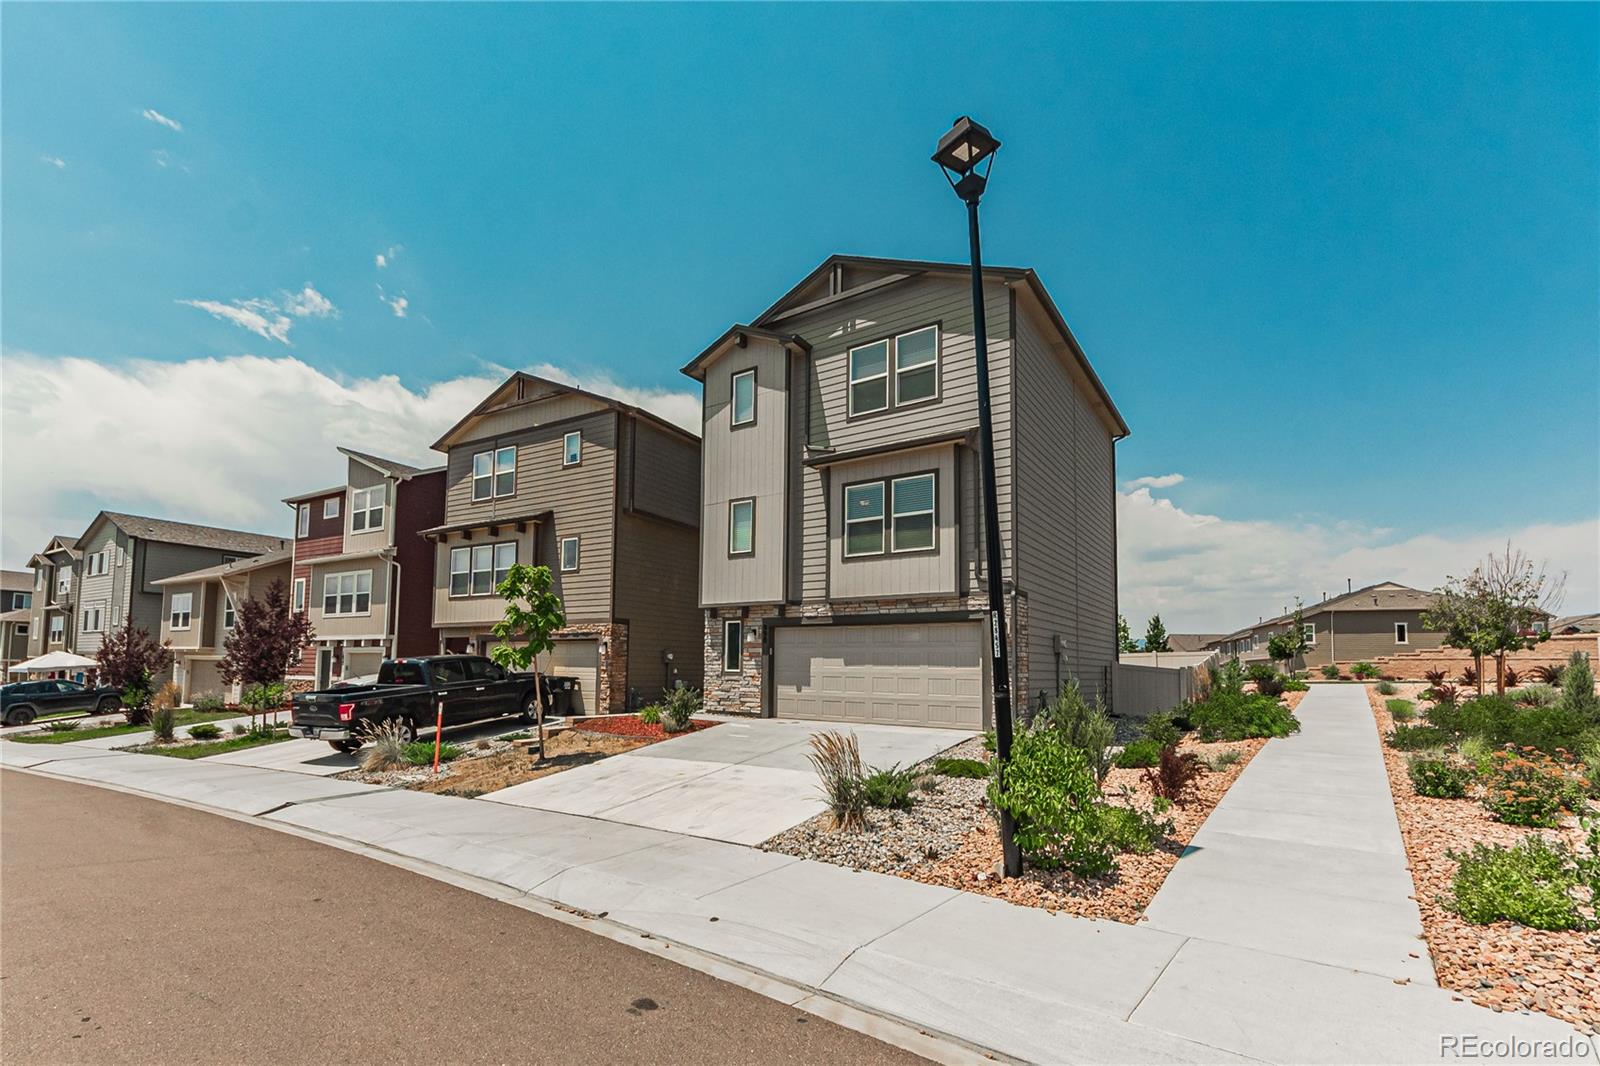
(695, 367)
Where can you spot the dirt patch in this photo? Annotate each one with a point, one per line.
(1504, 966)
(630, 725)
(473, 776)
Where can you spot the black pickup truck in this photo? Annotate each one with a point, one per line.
(408, 691)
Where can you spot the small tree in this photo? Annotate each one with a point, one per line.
(1289, 645)
(533, 614)
(1495, 610)
(1125, 641)
(1155, 635)
(128, 660)
(266, 637)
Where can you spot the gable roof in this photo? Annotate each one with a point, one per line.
(548, 390)
(737, 333)
(802, 297)
(389, 467)
(166, 531)
(1382, 596)
(1192, 642)
(16, 580)
(238, 566)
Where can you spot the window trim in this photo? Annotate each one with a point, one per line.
(577, 554)
(845, 521)
(733, 398)
(734, 553)
(298, 602)
(888, 550)
(891, 392)
(1310, 631)
(850, 381)
(302, 528)
(733, 625)
(57, 630)
(99, 619)
(565, 451)
(330, 508)
(230, 612)
(187, 613)
(932, 512)
(1398, 626)
(366, 511)
(466, 549)
(938, 382)
(355, 594)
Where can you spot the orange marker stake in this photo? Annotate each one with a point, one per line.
(438, 735)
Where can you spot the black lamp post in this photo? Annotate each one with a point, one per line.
(959, 153)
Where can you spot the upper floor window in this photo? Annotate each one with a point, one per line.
(303, 530)
(58, 628)
(744, 397)
(39, 579)
(1310, 630)
(91, 619)
(20, 600)
(366, 508)
(228, 616)
(299, 594)
(95, 565)
(348, 593)
(863, 519)
(572, 449)
(908, 524)
(741, 527)
(1402, 633)
(330, 507)
(569, 553)
(63, 581)
(494, 474)
(476, 570)
(182, 605)
(912, 359)
(912, 524)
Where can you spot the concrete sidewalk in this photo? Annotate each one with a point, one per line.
(1018, 981)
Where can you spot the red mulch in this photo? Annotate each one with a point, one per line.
(629, 725)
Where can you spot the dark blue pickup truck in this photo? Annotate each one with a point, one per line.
(408, 692)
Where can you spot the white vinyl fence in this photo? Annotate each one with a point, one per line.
(1148, 683)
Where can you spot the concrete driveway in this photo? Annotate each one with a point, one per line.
(742, 781)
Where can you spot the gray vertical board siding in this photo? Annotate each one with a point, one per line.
(657, 587)
(892, 574)
(919, 301)
(742, 462)
(582, 497)
(540, 411)
(362, 476)
(1066, 540)
(96, 591)
(663, 473)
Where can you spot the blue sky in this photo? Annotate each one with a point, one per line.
(1337, 264)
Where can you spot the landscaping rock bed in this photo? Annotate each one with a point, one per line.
(1504, 965)
(631, 725)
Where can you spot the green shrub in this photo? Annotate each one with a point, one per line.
(650, 714)
(1272, 686)
(890, 787)
(1161, 728)
(1331, 672)
(1260, 671)
(961, 767)
(1062, 823)
(1418, 737)
(1363, 670)
(1228, 680)
(1402, 710)
(1085, 726)
(1478, 752)
(1226, 716)
(1529, 788)
(1438, 777)
(209, 704)
(1537, 696)
(1387, 688)
(1294, 684)
(681, 705)
(1140, 752)
(1577, 688)
(205, 731)
(1223, 759)
(239, 729)
(163, 721)
(420, 753)
(1531, 884)
(837, 760)
(989, 741)
(61, 727)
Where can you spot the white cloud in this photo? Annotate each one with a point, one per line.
(162, 120)
(679, 408)
(1164, 481)
(385, 257)
(270, 429)
(1206, 573)
(260, 317)
(54, 160)
(397, 304)
(309, 303)
(162, 158)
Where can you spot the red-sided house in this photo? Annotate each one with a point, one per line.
(361, 571)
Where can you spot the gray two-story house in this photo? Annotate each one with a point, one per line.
(55, 594)
(604, 494)
(842, 562)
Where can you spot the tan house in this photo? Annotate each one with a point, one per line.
(199, 610)
(841, 566)
(604, 494)
(1371, 622)
(361, 571)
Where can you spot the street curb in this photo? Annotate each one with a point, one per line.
(845, 1013)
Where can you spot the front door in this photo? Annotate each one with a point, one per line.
(324, 668)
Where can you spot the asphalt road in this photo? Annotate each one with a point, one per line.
(137, 931)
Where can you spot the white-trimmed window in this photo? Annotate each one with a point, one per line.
(1310, 630)
(91, 619)
(330, 507)
(366, 508)
(58, 628)
(116, 615)
(347, 593)
(743, 397)
(494, 473)
(1402, 633)
(569, 553)
(94, 565)
(505, 557)
(863, 519)
(912, 508)
(182, 605)
(741, 527)
(229, 617)
(122, 555)
(916, 366)
(869, 378)
(732, 645)
(477, 569)
(299, 594)
(39, 579)
(63, 581)
(22, 629)
(461, 571)
(572, 449)
(482, 569)
(303, 530)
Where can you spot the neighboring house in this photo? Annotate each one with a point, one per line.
(361, 572)
(1576, 623)
(1187, 642)
(199, 610)
(16, 590)
(841, 566)
(1381, 619)
(55, 595)
(604, 494)
(124, 556)
(16, 615)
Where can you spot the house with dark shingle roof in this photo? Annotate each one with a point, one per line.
(1369, 622)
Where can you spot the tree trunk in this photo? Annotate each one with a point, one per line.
(1477, 657)
(1500, 673)
(538, 706)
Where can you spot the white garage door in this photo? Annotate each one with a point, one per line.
(914, 674)
(579, 659)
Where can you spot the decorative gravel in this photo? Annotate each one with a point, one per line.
(895, 841)
(1504, 966)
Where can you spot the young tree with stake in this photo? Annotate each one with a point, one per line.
(266, 637)
(128, 658)
(1289, 645)
(533, 614)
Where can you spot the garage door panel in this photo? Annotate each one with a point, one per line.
(579, 659)
(895, 674)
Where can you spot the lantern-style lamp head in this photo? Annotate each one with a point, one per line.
(959, 153)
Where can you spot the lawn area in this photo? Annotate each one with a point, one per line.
(199, 749)
(67, 736)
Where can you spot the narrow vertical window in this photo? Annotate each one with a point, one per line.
(916, 366)
(505, 472)
(744, 397)
(912, 506)
(460, 571)
(732, 645)
(299, 594)
(304, 529)
(482, 569)
(869, 378)
(483, 475)
(572, 449)
(505, 557)
(863, 519)
(569, 553)
(741, 527)
(1402, 633)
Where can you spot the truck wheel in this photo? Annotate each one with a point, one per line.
(20, 716)
(408, 728)
(109, 705)
(530, 709)
(345, 747)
